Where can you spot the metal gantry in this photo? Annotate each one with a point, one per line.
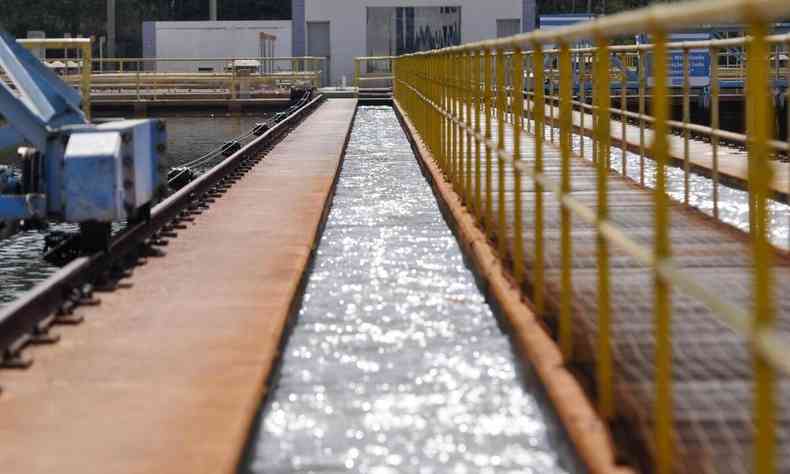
(72, 170)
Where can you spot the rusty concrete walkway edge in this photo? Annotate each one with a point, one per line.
(589, 434)
(166, 375)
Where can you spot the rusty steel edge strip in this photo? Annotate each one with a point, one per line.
(22, 317)
(588, 432)
(295, 292)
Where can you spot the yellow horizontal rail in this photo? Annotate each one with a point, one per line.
(384, 74)
(56, 43)
(215, 59)
(453, 96)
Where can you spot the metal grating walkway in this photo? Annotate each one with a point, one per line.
(712, 365)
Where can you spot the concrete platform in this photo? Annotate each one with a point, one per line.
(167, 375)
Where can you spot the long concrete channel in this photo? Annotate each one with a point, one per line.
(390, 358)
(395, 361)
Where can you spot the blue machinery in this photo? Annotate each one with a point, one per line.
(73, 171)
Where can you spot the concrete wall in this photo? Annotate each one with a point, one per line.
(211, 39)
(348, 23)
(299, 38)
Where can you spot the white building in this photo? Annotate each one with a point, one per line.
(213, 39)
(344, 29)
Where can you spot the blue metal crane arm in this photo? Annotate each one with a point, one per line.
(40, 88)
(9, 138)
(26, 123)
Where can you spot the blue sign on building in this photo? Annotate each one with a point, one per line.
(699, 62)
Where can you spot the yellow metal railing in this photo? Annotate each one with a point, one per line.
(260, 64)
(373, 69)
(636, 58)
(83, 45)
(158, 78)
(453, 95)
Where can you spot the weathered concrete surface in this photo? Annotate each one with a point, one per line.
(166, 375)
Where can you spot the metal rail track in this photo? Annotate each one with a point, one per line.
(28, 320)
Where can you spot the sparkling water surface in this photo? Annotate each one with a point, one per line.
(396, 363)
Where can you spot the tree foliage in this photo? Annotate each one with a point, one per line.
(88, 17)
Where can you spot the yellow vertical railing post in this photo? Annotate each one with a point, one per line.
(478, 92)
(85, 83)
(448, 124)
(552, 123)
(714, 123)
(487, 87)
(501, 107)
(662, 306)
(441, 63)
(425, 117)
(530, 92)
(540, 134)
(233, 79)
(759, 129)
(448, 110)
(434, 103)
(426, 93)
(452, 111)
(603, 137)
(467, 77)
(623, 109)
(518, 116)
(566, 129)
(459, 112)
(436, 100)
(426, 100)
(357, 71)
(452, 75)
(686, 120)
(594, 102)
(137, 79)
(642, 111)
(583, 100)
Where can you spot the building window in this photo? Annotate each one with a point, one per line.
(401, 30)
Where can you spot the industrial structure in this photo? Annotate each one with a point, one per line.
(342, 30)
(528, 256)
(213, 39)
